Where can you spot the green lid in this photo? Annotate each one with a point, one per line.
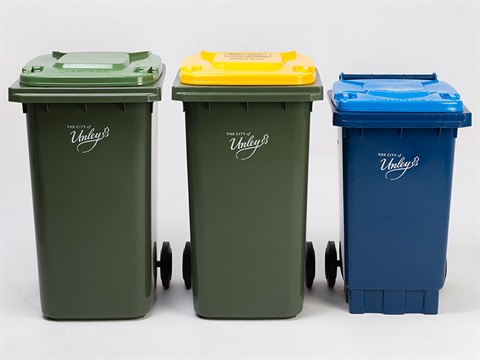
(89, 69)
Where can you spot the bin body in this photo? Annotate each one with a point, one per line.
(90, 159)
(396, 179)
(247, 160)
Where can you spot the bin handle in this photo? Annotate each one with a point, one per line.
(135, 56)
(431, 77)
(57, 54)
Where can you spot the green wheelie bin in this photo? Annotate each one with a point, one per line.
(91, 131)
(247, 126)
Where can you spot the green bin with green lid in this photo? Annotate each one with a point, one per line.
(247, 126)
(91, 130)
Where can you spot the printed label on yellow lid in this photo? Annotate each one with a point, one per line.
(247, 68)
(247, 56)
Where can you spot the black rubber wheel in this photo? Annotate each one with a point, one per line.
(187, 265)
(446, 267)
(309, 265)
(331, 264)
(166, 264)
(341, 258)
(156, 264)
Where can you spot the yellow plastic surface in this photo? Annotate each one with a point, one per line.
(247, 68)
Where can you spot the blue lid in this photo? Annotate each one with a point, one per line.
(395, 93)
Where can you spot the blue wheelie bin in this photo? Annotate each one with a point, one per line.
(396, 143)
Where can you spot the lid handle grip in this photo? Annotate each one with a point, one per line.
(57, 54)
(137, 56)
(432, 76)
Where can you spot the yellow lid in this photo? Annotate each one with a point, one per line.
(247, 68)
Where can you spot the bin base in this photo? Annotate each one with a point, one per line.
(94, 315)
(239, 311)
(246, 317)
(134, 317)
(392, 301)
(258, 312)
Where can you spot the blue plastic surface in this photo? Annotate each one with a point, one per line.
(396, 188)
(395, 93)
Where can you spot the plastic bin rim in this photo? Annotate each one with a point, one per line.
(417, 120)
(248, 93)
(92, 94)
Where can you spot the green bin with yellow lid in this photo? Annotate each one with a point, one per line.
(247, 126)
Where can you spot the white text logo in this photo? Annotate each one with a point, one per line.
(395, 165)
(245, 145)
(86, 137)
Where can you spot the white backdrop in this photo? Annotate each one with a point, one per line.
(400, 37)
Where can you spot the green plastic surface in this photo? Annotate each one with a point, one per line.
(89, 69)
(91, 184)
(248, 207)
(247, 155)
(250, 93)
(89, 122)
(36, 95)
